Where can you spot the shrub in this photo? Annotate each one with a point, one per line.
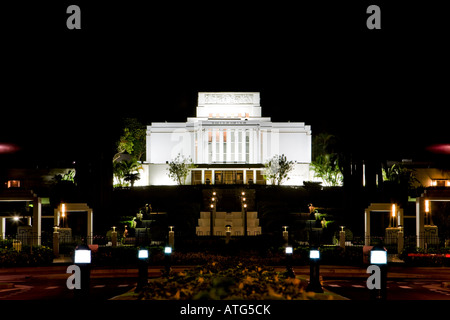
(225, 280)
(35, 256)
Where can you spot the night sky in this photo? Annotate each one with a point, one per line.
(382, 92)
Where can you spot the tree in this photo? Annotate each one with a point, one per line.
(179, 168)
(277, 169)
(325, 162)
(133, 140)
(126, 171)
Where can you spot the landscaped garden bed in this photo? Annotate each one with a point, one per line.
(228, 281)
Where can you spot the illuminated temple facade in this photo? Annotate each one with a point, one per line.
(228, 140)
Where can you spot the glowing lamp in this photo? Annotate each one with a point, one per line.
(143, 254)
(168, 250)
(82, 255)
(289, 250)
(378, 255)
(427, 206)
(314, 254)
(393, 210)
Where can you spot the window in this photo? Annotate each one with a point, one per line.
(13, 184)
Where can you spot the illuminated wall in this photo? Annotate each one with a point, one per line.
(228, 129)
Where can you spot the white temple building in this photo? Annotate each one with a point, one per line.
(228, 140)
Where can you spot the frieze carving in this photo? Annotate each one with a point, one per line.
(228, 98)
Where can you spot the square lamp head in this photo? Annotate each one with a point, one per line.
(314, 254)
(143, 254)
(82, 255)
(378, 257)
(168, 250)
(289, 250)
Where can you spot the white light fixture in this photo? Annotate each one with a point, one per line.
(168, 250)
(378, 257)
(143, 254)
(289, 250)
(82, 256)
(314, 254)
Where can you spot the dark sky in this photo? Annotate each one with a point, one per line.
(383, 92)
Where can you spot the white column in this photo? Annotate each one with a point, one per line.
(367, 227)
(2, 227)
(213, 145)
(203, 176)
(236, 145)
(229, 133)
(213, 176)
(250, 145)
(90, 226)
(221, 157)
(37, 215)
(420, 215)
(56, 216)
(242, 158)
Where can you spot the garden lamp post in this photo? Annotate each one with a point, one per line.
(82, 259)
(314, 271)
(378, 257)
(142, 269)
(289, 270)
(167, 258)
(285, 235)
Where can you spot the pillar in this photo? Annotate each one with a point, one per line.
(400, 241)
(342, 239)
(420, 215)
(56, 242)
(37, 215)
(2, 228)
(221, 151)
(90, 222)
(367, 227)
(171, 239)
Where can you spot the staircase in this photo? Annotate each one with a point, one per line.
(228, 212)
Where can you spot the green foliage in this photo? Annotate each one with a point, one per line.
(400, 175)
(325, 161)
(35, 256)
(326, 167)
(179, 168)
(132, 140)
(126, 172)
(219, 281)
(277, 169)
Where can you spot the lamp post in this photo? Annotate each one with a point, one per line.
(245, 221)
(378, 257)
(228, 234)
(342, 238)
(82, 259)
(114, 237)
(289, 270)
(142, 269)
(211, 221)
(56, 241)
(171, 237)
(285, 235)
(314, 271)
(167, 258)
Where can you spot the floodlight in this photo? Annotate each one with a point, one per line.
(289, 250)
(314, 254)
(143, 254)
(168, 250)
